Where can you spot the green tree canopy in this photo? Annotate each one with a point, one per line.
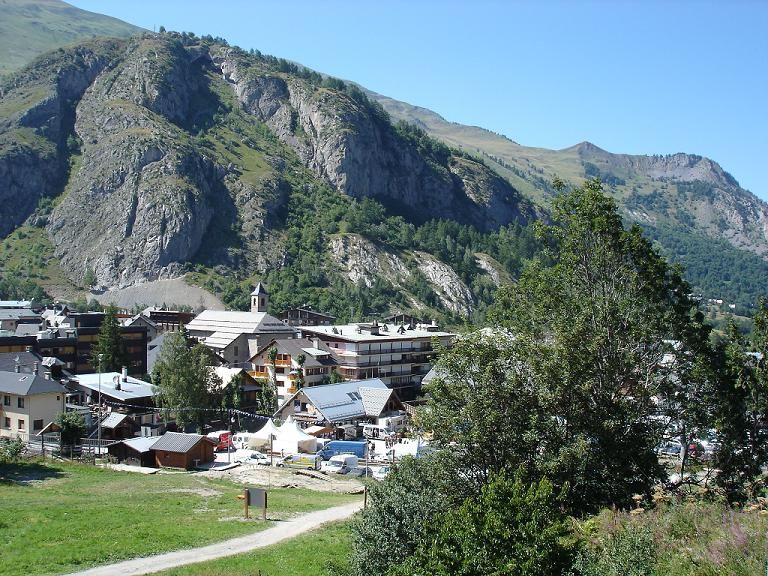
(511, 528)
(72, 427)
(569, 384)
(109, 345)
(187, 387)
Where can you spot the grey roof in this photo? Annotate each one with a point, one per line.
(27, 329)
(153, 351)
(345, 400)
(131, 389)
(259, 290)
(15, 303)
(26, 361)
(374, 399)
(313, 357)
(361, 332)
(220, 328)
(114, 420)
(141, 444)
(17, 314)
(178, 442)
(138, 319)
(27, 384)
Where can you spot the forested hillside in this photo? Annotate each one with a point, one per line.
(170, 154)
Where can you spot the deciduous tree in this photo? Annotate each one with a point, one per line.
(185, 380)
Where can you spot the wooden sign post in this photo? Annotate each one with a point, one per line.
(256, 497)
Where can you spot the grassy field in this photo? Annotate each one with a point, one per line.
(57, 518)
(306, 555)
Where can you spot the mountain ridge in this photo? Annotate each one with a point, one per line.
(288, 126)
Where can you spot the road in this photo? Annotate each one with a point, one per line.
(283, 530)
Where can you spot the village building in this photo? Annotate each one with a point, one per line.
(344, 403)
(30, 401)
(249, 388)
(397, 354)
(119, 392)
(236, 336)
(171, 450)
(318, 364)
(306, 317)
(177, 450)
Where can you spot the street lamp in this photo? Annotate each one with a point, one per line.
(99, 409)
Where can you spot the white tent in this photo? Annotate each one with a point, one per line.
(260, 439)
(291, 439)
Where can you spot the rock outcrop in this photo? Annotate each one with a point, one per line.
(116, 128)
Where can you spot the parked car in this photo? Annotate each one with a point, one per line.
(253, 457)
(340, 464)
(365, 471)
(308, 461)
(381, 472)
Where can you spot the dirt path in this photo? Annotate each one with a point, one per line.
(283, 530)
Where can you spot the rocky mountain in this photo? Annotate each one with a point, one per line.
(165, 150)
(168, 154)
(690, 204)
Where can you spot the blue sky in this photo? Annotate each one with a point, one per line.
(637, 77)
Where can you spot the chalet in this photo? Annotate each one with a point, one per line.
(249, 387)
(10, 318)
(177, 450)
(30, 401)
(117, 426)
(318, 364)
(340, 404)
(306, 317)
(134, 451)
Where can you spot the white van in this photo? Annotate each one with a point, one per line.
(242, 440)
(375, 431)
(339, 464)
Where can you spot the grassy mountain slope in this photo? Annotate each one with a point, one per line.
(697, 212)
(237, 167)
(29, 28)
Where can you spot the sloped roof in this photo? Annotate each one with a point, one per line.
(18, 314)
(374, 400)
(223, 327)
(259, 290)
(114, 420)
(345, 400)
(26, 361)
(27, 384)
(130, 389)
(142, 444)
(313, 357)
(178, 442)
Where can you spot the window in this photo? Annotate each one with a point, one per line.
(20, 402)
(21, 424)
(37, 425)
(6, 400)
(7, 423)
(236, 352)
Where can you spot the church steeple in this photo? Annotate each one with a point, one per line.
(259, 298)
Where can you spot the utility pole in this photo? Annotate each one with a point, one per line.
(99, 409)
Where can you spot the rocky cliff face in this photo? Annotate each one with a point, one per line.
(683, 189)
(36, 115)
(345, 142)
(363, 261)
(160, 149)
